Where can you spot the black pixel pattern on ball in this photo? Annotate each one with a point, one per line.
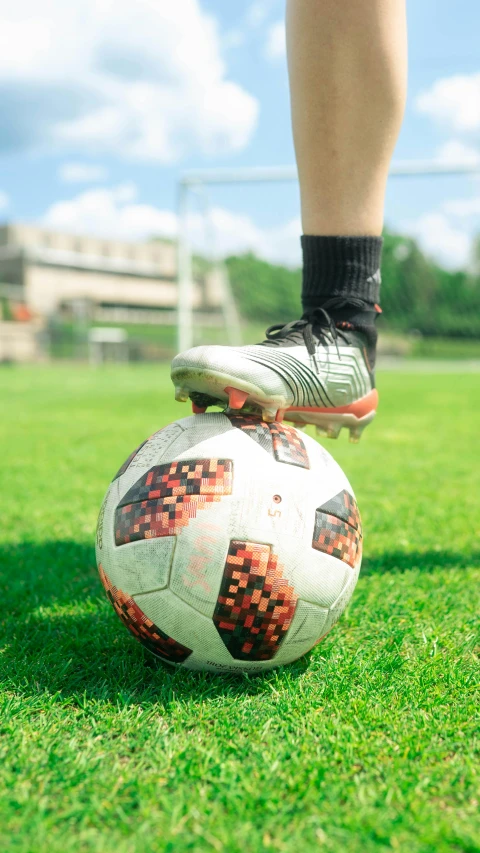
(338, 529)
(167, 497)
(181, 478)
(255, 605)
(280, 441)
(142, 628)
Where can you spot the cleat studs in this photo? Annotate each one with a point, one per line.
(181, 394)
(356, 434)
(269, 415)
(236, 398)
(333, 430)
(198, 410)
(321, 430)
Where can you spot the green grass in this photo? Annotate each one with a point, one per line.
(368, 744)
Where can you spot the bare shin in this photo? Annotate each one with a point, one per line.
(347, 65)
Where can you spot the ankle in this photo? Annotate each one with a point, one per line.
(345, 312)
(340, 267)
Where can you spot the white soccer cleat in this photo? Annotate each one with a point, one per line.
(303, 372)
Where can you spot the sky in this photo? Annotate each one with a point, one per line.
(105, 103)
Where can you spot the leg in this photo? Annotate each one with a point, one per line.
(347, 65)
(347, 71)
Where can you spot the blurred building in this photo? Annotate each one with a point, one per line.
(45, 273)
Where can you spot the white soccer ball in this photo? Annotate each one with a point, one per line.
(228, 544)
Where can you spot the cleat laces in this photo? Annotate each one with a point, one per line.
(316, 326)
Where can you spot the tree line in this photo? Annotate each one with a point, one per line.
(417, 294)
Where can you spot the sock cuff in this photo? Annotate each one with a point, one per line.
(341, 266)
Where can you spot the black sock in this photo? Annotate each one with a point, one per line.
(340, 267)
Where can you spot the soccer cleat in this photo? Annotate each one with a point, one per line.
(315, 370)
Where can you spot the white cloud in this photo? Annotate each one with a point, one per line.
(4, 200)
(82, 173)
(454, 101)
(276, 45)
(456, 151)
(116, 212)
(112, 212)
(447, 243)
(463, 207)
(256, 15)
(144, 80)
(234, 233)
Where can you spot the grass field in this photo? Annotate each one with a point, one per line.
(368, 744)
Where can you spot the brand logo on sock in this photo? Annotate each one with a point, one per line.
(376, 278)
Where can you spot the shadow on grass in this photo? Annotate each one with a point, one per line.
(399, 561)
(59, 635)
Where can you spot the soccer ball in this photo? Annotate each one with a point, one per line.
(228, 544)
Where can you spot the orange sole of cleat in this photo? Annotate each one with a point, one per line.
(198, 410)
(329, 422)
(236, 398)
(365, 406)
